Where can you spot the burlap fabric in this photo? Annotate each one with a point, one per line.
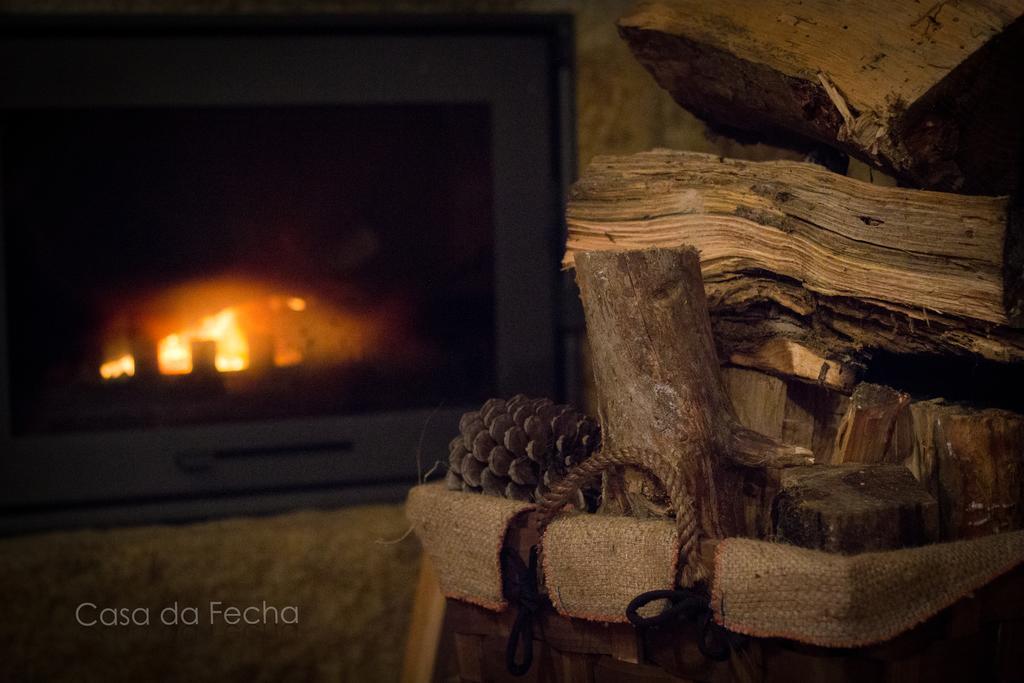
(594, 565)
(462, 533)
(774, 590)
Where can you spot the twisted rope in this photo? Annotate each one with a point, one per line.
(563, 491)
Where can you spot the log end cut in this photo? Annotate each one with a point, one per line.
(854, 508)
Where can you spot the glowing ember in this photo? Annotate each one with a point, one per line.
(119, 367)
(296, 304)
(285, 356)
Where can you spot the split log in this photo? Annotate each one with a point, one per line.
(929, 92)
(970, 459)
(758, 399)
(789, 358)
(837, 236)
(854, 508)
(662, 402)
(749, 309)
(865, 432)
(795, 412)
(834, 266)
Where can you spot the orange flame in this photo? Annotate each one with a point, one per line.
(174, 355)
(174, 352)
(124, 366)
(281, 330)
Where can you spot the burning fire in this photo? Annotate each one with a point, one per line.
(260, 329)
(124, 366)
(173, 355)
(174, 352)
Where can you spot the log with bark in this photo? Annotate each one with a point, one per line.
(662, 403)
(724, 446)
(806, 271)
(929, 92)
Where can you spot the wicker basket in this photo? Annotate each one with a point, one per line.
(578, 633)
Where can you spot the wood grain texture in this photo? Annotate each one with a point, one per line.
(749, 309)
(659, 387)
(970, 459)
(792, 251)
(787, 357)
(836, 235)
(758, 399)
(866, 430)
(854, 508)
(926, 91)
(425, 624)
(798, 413)
(656, 371)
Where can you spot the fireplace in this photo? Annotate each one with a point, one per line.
(250, 265)
(207, 265)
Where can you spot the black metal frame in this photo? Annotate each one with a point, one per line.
(520, 65)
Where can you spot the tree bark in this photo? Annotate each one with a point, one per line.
(929, 92)
(662, 403)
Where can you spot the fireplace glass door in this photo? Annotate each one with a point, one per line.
(249, 264)
(168, 266)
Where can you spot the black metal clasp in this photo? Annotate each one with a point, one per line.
(714, 641)
(519, 583)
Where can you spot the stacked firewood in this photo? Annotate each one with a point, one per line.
(877, 327)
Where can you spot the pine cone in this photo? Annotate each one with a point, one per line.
(518, 448)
